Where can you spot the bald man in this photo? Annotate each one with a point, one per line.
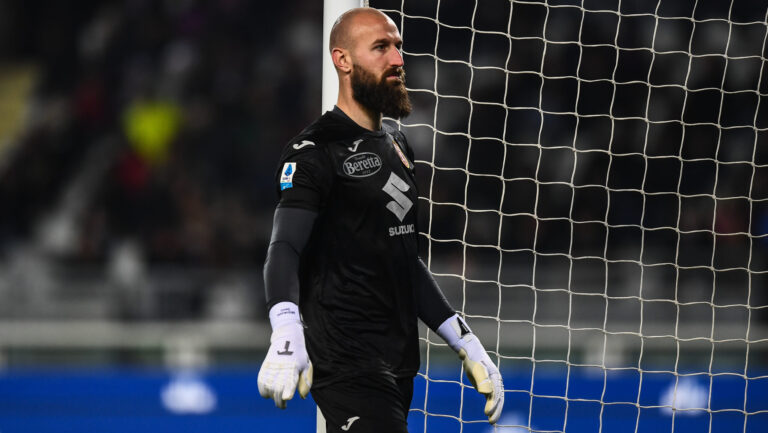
(344, 283)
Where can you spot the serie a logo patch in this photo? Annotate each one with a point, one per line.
(286, 176)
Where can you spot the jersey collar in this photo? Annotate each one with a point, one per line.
(339, 113)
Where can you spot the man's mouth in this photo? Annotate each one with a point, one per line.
(394, 76)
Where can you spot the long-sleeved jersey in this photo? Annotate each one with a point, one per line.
(359, 269)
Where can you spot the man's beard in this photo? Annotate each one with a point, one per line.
(389, 99)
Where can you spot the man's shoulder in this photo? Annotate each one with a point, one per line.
(307, 144)
(326, 129)
(392, 129)
(399, 137)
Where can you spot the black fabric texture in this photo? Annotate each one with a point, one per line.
(434, 309)
(373, 404)
(291, 228)
(359, 271)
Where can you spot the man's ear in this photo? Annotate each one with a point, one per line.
(341, 59)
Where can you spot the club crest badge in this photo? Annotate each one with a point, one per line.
(400, 153)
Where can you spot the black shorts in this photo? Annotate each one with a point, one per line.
(369, 404)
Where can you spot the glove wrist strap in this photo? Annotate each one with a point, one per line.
(284, 313)
(455, 331)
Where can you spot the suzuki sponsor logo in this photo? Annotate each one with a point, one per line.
(402, 230)
(401, 204)
(362, 164)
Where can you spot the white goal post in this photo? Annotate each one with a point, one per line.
(332, 9)
(593, 180)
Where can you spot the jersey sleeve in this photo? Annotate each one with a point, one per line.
(304, 178)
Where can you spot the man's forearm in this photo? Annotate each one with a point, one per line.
(290, 231)
(434, 309)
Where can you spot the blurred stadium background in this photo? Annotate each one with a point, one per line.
(138, 142)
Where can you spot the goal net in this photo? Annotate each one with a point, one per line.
(594, 198)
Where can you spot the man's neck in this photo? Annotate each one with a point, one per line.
(359, 114)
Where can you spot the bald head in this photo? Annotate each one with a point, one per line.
(366, 48)
(344, 29)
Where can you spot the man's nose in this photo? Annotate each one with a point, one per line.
(396, 59)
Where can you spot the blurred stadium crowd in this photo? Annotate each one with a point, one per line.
(200, 97)
(153, 128)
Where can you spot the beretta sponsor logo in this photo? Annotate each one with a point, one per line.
(362, 164)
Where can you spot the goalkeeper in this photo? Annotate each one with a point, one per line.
(344, 256)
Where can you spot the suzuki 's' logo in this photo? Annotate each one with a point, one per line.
(401, 204)
(350, 421)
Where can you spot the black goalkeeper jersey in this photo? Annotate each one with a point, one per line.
(357, 272)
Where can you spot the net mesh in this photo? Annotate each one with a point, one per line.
(594, 199)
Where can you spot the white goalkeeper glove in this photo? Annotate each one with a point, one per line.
(482, 372)
(287, 363)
